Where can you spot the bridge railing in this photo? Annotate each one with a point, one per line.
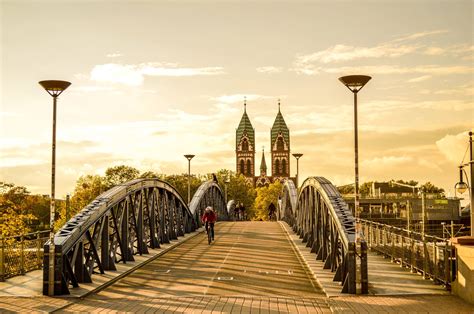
(120, 223)
(21, 254)
(321, 217)
(433, 257)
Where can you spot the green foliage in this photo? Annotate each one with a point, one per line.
(150, 175)
(180, 183)
(431, 188)
(411, 182)
(265, 197)
(238, 189)
(14, 217)
(120, 174)
(346, 189)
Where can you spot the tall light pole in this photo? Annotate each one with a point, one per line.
(297, 156)
(226, 183)
(189, 157)
(355, 83)
(461, 186)
(54, 88)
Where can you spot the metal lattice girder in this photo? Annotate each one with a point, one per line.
(121, 222)
(320, 216)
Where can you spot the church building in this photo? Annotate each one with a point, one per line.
(279, 148)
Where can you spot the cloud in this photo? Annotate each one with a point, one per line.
(313, 63)
(269, 69)
(114, 55)
(386, 161)
(117, 73)
(391, 69)
(453, 147)
(230, 99)
(390, 106)
(419, 79)
(340, 53)
(8, 114)
(420, 35)
(133, 74)
(92, 88)
(434, 51)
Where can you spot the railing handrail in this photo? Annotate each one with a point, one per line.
(77, 226)
(438, 239)
(24, 234)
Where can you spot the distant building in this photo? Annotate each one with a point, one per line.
(280, 151)
(387, 189)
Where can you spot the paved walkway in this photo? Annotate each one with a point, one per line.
(250, 268)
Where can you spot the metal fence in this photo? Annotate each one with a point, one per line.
(21, 254)
(431, 256)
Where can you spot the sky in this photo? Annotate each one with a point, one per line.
(154, 80)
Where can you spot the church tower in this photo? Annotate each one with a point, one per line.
(245, 147)
(280, 144)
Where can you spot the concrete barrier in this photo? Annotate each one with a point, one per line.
(463, 286)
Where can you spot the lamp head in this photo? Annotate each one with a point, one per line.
(461, 186)
(297, 155)
(355, 82)
(55, 87)
(189, 157)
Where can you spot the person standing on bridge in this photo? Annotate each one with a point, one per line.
(209, 218)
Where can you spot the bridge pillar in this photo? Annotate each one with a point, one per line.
(60, 285)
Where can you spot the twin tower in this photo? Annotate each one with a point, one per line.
(280, 151)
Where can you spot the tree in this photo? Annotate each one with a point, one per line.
(13, 216)
(241, 191)
(431, 188)
(346, 189)
(265, 197)
(150, 175)
(180, 183)
(120, 174)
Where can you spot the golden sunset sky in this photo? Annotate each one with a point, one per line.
(153, 80)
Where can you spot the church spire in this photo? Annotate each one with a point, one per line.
(263, 164)
(245, 104)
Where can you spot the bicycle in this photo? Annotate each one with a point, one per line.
(210, 232)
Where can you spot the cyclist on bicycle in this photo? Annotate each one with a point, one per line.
(209, 218)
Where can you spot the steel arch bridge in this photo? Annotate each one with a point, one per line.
(122, 222)
(320, 216)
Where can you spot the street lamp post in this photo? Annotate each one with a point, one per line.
(297, 156)
(461, 186)
(355, 83)
(226, 183)
(54, 88)
(189, 157)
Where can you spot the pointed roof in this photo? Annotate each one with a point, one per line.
(263, 164)
(280, 126)
(245, 126)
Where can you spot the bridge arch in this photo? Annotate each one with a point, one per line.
(124, 221)
(322, 219)
(288, 202)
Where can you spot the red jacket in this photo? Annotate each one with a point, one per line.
(209, 216)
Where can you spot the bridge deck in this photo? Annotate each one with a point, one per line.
(251, 267)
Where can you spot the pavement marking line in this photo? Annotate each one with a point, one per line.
(225, 259)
